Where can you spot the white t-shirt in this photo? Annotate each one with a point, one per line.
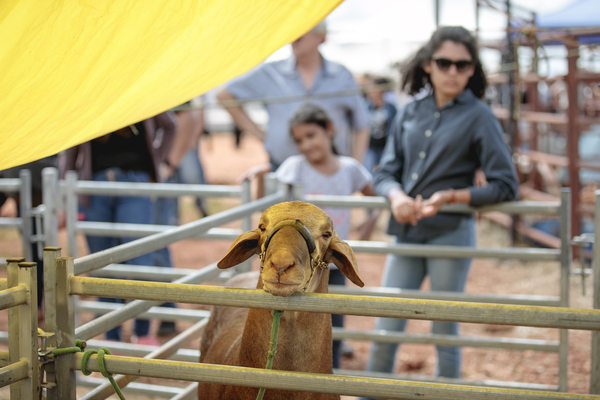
(350, 177)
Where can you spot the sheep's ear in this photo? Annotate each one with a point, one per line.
(340, 254)
(245, 246)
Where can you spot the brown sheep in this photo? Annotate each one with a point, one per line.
(240, 336)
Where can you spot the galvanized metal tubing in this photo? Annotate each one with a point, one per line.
(549, 317)
(302, 381)
(159, 240)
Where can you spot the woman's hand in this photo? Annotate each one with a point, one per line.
(405, 209)
(431, 206)
(258, 171)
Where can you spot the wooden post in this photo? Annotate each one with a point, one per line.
(65, 328)
(50, 256)
(14, 355)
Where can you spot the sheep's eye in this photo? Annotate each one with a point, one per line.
(326, 235)
(262, 228)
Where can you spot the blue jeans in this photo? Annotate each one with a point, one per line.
(123, 209)
(446, 274)
(336, 277)
(372, 158)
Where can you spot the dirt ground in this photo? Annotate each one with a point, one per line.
(223, 164)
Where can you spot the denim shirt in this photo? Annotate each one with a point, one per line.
(431, 149)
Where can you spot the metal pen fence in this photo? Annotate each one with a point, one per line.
(62, 284)
(20, 366)
(22, 187)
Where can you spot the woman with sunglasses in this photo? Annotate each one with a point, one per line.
(435, 147)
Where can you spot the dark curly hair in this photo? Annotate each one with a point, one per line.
(414, 77)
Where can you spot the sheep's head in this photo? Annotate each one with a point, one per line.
(293, 250)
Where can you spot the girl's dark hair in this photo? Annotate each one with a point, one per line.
(414, 77)
(309, 113)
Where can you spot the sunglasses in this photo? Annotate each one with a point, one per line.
(444, 64)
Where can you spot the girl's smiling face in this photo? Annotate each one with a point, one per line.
(313, 141)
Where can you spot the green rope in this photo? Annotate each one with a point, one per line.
(272, 346)
(101, 351)
(79, 346)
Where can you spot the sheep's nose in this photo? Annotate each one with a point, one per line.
(282, 263)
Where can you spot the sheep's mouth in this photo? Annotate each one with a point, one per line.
(280, 289)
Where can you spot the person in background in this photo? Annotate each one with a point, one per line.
(381, 115)
(305, 73)
(130, 154)
(182, 165)
(434, 149)
(319, 169)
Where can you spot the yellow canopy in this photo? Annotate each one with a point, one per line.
(73, 70)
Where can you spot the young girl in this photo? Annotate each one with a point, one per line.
(320, 171)
(435, 147)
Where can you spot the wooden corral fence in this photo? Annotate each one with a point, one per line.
(63, 282)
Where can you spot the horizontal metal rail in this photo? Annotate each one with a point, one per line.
(164, 351)
(134, 388)
(140, 230)
(14, 372)
(425, 250)
(11, 185)
(123, 348)
(300, 381)
(515, 207)
(9, 223)
(189, 393)
(155, 189)
(140, 350)
(161, 313)
(133, 309)
(449, 381)
(12, 297)
(445, 340)
(549, 317)
(520, 299)
(143, 272)
(159, 240)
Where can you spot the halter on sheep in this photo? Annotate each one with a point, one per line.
(240, 336)
(310, 242)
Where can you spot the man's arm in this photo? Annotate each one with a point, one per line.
(240, 118)
(360, 144)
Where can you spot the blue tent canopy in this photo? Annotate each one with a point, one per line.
(578, 14)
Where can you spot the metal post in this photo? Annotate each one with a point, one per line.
(246, 222)
(25, 211)
(573, 134)
(565, 272)
(12, 275)
(71, 212)
(50, 256)
(595, 371)
(65, 328)
(50, 194)
(28, 335)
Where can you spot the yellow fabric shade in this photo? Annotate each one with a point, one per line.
(72, 70)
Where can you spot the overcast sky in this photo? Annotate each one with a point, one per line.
(370, 35)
